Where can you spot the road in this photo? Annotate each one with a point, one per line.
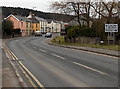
(63, 67)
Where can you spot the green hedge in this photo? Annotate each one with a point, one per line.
(75, 31)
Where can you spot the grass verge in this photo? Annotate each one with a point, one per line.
(60, 40)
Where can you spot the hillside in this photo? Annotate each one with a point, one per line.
(25, 12)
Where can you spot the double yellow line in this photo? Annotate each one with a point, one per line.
(25, 71)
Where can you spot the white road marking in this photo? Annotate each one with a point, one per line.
(58, 56)
(90, 68)
(34, 47)
(27, 44)
(43, 50)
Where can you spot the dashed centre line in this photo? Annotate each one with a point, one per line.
(27, 44)
(87, 67)
(40, 50)
(90, 68)
(43, 50)
(34, 47)
(58, 56)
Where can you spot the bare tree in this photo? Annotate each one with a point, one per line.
(74, 8)
(90, 9)
(107, 10)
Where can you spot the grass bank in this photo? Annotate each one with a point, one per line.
(60, 40)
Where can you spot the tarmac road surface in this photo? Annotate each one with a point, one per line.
(63, 67)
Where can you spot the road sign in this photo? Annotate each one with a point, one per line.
(111, 27)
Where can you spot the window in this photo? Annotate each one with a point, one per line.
(30, 25)
(27, 25)
(21, 24)
(36, 26)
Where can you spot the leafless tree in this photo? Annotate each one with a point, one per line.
(90, 9)
(106, 10)
(74, 8)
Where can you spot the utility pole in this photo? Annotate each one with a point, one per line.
(1, 33)
(119, 24)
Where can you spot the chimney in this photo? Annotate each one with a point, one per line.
(30, 15)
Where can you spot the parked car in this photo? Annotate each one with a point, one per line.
(38, 33)
(48, 34)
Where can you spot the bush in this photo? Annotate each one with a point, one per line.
(76, 31)
(87, 32)
(72, 32)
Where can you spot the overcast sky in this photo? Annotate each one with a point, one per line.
(41, 5)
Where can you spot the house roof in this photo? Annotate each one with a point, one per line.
(34, 20)
(19, 18)
(40, 19)
(50, 20)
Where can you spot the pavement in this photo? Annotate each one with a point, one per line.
(94, 50)
(10, 78)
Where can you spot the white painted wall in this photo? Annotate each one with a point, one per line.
(54, 27)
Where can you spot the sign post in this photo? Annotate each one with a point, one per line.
(111, 29)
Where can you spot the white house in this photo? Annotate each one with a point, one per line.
(53, 26)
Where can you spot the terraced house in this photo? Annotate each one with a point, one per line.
(21, 23)
(35, 22)
(28, 25)
(29, 29)
(43, 24)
